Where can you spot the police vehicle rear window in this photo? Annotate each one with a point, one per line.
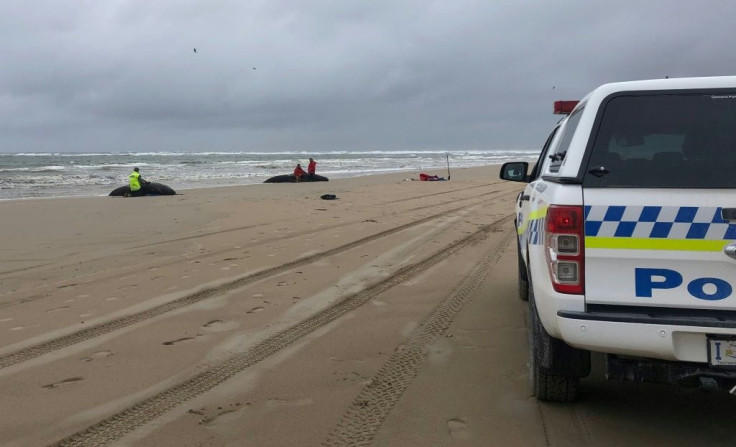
(665, 141)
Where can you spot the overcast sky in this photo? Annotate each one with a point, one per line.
(121, 75)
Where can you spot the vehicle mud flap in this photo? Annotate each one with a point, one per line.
(557, 357)
(555, 367)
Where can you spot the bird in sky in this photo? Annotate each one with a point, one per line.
(195, 50)
(254, 68)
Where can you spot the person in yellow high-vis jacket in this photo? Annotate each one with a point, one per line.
(137, 184)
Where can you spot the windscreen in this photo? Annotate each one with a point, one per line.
(665, 141)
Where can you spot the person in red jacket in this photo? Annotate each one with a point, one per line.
(312, 168)
(298, 172)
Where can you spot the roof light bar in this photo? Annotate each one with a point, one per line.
(564, 107)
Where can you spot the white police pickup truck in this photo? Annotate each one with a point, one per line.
(627, 237)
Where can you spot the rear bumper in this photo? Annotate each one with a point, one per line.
(674, 335)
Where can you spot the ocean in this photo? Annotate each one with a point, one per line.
(35, 175)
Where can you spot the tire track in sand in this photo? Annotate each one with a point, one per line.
(40, 349)
(365, 416)
(118, 425)
(144, 268)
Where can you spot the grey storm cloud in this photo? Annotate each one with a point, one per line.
(123, 75)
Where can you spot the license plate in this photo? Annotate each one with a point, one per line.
(722, 351)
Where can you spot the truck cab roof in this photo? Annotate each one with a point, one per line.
(577, 132)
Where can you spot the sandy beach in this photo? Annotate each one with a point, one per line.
(106, 303)
(265, 316)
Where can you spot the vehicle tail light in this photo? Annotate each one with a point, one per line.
(564, 248)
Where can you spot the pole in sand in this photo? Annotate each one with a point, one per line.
(448, 165)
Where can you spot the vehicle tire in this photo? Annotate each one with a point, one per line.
(546, 386)
(523, 277)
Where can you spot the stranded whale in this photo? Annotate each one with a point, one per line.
(291, 178)
(151, 189)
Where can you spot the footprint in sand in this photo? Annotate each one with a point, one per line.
(56, 309)
(112, 298)
(169, 343)
(63, 382)
(458, 429)
(97, 355)
(209, 420)
(257, 295)
(17, 328)
(255, 310)
(220, 326)
(210, 416)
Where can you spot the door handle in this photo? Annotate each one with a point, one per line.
(523, 198)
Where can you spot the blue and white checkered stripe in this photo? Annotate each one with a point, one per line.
(535, 231)
(665, 222)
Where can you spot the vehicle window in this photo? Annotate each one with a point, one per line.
(542, 156)
(665, 141)
(567, 134)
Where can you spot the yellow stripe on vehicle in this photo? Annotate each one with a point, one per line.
(538, 213)
(626, 243)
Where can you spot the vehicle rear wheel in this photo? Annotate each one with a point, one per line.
(522, 277)
(547, 386)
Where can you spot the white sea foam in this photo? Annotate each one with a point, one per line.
(47, 174)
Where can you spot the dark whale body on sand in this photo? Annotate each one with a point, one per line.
(151, 189)
(291, 178)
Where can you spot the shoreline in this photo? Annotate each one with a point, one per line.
(413, 172)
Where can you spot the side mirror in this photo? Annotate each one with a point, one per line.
(514, 171)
